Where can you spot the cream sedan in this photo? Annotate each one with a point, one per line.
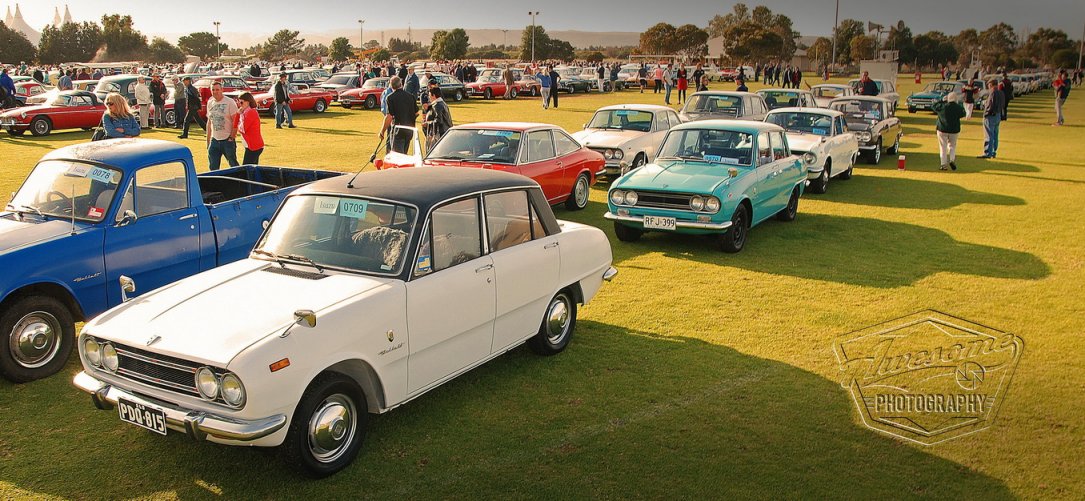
(823, 140)
(627, 135)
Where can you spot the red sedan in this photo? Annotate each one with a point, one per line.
(301, 98)
(368, 95)
(546, 153)
(71, 109)
(491, 83)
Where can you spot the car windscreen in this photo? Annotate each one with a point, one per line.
(375, 83)
(477, 145)
(62, 188)
(707, 103)
(829, 92)
(859, 111)
(780, 98)
(710, 146)
(636, 120)
(942, 87)
(339, 80)
(809, 123)
(347, 233)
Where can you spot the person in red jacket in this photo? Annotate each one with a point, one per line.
(247, 124)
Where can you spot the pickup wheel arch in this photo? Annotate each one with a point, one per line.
(363, 374)
(47, 289)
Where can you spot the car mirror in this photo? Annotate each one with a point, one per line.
(127, 218)
(127, 286)
(732, 172)
(305, 317)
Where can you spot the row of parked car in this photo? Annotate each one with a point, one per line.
(1023, 84)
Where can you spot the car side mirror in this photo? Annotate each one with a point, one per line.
(127, 218)
(732, 172)
(127, 286)
(305, 317)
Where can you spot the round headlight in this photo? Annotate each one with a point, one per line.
(619, 154)
(712, 204)
(864, 136)
(207, 383)
(617, 197)
(93, 351)
(608, 154)
(810, 158)
(109, 357)
(631, 198)
(696, 203)
(233, 392)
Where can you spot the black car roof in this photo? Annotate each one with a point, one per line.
(423, 187)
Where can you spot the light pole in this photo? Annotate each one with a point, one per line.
(361, 34)
(533, 14)
(505, 40)
(218, 39)
(836, 24)
(1081, 49)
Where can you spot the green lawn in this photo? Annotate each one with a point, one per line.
(695, 374)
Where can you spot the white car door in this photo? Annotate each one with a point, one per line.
(846, 145)
(527, 262)
(451, 300)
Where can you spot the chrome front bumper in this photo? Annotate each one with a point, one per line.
(691, 225)
(196, 424)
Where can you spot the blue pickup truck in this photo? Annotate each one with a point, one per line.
(91, 213)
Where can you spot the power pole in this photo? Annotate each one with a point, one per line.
(505, 39)
(218, 39)
(533, 14)
(361, 34)
(1081, 49)
(836, 24)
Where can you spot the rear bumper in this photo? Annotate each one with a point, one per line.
(198, 425)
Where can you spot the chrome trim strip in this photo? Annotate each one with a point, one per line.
(679, 224)
(196, 424)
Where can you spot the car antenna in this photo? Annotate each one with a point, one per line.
(350, 184)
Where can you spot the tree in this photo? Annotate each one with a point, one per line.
(934, 48)
(203, 44)
(593, 57)
(720, 24)
(749, 41)
(381, 56)
(659, 39)
(1043, 43)
(965, 42)
(690, 41)
(861, 46)
(845, 32)
(281, 44)
(1064, 58)
(122, 41)
(820, 50)
(450, 44)
(70, 43)
(900, 40)
(14, 46)
(341, 49)
(401, 45)
(998, 42)
(372, 44)
(161, 51)
(313, 52)
(782, 26)
(560, 50)
(542, 44)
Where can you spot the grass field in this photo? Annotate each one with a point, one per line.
(695, 374)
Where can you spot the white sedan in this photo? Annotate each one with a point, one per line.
(825, 93)
(627, 135)
(360, 296)
(822, 138)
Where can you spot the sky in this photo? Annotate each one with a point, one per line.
(811, 17)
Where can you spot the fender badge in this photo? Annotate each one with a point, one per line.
(391, 336)
(153, 339)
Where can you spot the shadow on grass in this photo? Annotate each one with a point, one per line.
(908, 193)
(966, 162)
(47, 142)
(620, 414)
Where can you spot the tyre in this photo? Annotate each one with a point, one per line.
(16, 132)
(40, 335)
(791, 210)
(458, 96)
(846, 175)
(627, 233)
(821, 184)
(896, 146)
(489, 94)
(171, 118)
(328, 427)
(734, 239)
(911, 109)
(370, 102)
(41, 126)
(578, 197)
(321, 106)
(513, 93)
(534, 92)
(875, 156)
(557, 326)
(347, 106)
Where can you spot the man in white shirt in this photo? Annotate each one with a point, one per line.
(221, 129)
(143, 99)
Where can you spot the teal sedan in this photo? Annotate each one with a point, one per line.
(713, 177)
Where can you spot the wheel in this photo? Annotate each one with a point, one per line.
(534, 92)
(791, 209)
(320, 106)
(627, 233)
(16, 132)
(847, 174)
(512, 94)
(734, 239)
(876, 155)
(40, 126)
(326, 432)
(557, 326)
(347, 106)
(41, 334)
(489, 94)
(911, 109)
(896, 146)
(821, 184)
(171, 118)
(578, 197)
(638, 161)
(370, 102)
(458, 96)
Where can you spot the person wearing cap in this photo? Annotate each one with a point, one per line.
(158, 97)
(947, 127)
(192, 112)
(143, 100)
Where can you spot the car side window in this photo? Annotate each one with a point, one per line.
(455, 237)
(157, 189)
(539, 147)
(661, 122)
(564, 144)
(508, 219)
(779, 146)
(764, 149)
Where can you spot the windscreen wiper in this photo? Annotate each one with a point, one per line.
(303, 259)
(23, 209)
(272, 255)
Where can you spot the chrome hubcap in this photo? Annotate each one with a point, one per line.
(581, 192)
(332, 428)
(557, 320)
(34, 339)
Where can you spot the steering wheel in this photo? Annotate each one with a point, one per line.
(63, 197)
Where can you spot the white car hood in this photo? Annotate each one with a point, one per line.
(213, 316)
(803, 142)
(606, 138)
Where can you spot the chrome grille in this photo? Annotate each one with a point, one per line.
(156, 370)
(676, 201)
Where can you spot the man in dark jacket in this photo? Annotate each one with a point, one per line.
(411, 84)
(947, 127)
(158, 98)
(867, 87)
(283, 113)
(402, 110)
(554, 79)
(992, 118)
(193, 104)
(1007, 92)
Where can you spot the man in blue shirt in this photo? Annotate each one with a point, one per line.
(992, 118)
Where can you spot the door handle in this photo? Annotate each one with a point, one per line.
(190, 216)
(551, 245)
(484, 268)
